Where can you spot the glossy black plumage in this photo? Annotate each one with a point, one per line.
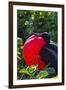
(49, 52)
(49, 55)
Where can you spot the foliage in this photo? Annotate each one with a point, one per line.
(30, 72)
(29, 21)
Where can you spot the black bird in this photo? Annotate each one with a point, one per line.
(49, 52)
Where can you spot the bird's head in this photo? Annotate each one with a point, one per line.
(44, 35)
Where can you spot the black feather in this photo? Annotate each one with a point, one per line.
(49, 55)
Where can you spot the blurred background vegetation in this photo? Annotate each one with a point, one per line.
(29, 21)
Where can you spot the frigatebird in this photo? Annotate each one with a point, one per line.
(39, 49)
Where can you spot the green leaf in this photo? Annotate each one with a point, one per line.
(19, 42)
(24, 71)
(51, 71)
(42, 74)
(31, 68)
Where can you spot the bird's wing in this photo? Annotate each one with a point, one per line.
(53, 47)
(49, 55)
